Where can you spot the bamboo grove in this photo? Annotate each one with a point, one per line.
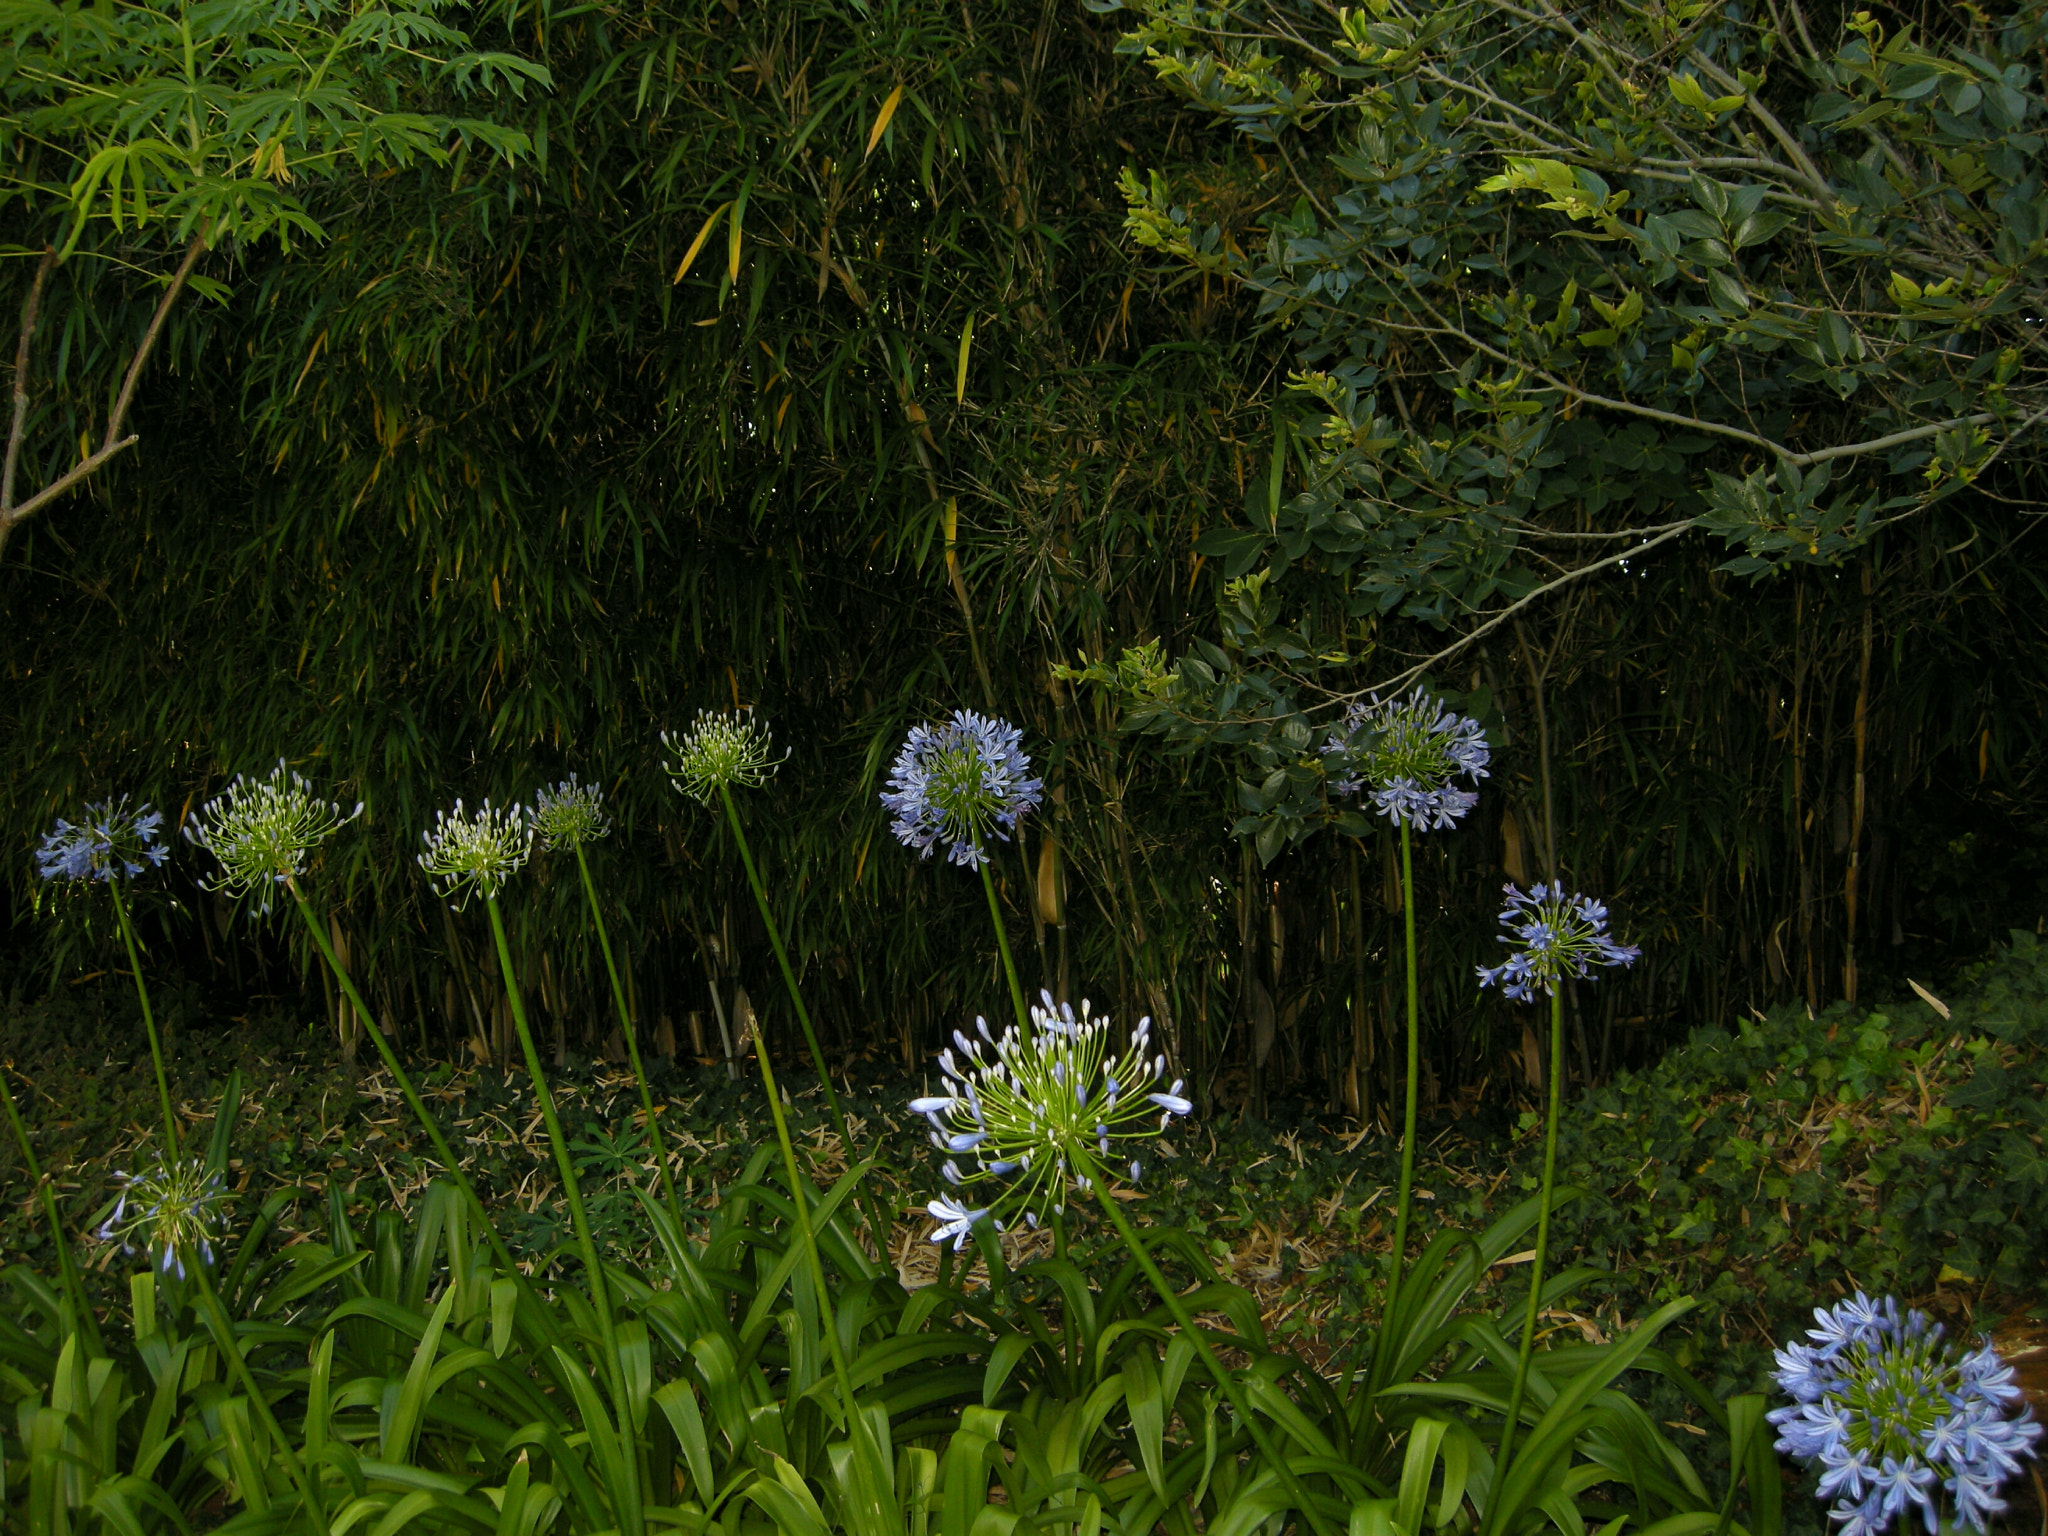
(819, 358)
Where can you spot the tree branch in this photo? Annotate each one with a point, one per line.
(156, 325)
(1772, 126)
(1402, 679)
(19, 426)
(112, 443)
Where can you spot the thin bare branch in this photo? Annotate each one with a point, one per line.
(112, 443)
(1772, 126)
(156, 325)
(19, 425)
(63, 483)
(1402, 679)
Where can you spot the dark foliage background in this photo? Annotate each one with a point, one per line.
(523, 464)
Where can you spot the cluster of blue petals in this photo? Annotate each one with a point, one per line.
(1409, 751)
(1890, 1415)
(111, 840)
(955, 782)
(1554, 935)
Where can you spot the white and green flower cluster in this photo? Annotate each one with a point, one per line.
(473, 853)
(720, 749)
(569, 814)
(263, 830)
(1039, 1111)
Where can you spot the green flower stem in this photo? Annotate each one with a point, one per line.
(85, 1321)
(876, 1218)
(1303, 1502)
(427, 1122)
(156, 1053)
(668, 1183)
(1507, 1432)
(800, 1195)
(1406, 1203)
(995, 915)
(600, 1300)
(224, 1339)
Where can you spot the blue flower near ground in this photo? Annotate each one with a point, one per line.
(1409, 751)
(957, 782)
(1893, 1416)
(176, 1209)
(111, 840)
(1555, 935)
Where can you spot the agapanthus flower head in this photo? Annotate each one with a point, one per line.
(721, 749)
(1895, 1417)
(1554, 935)
(1037, 1112)
(263, 830)
(111, 839)
(473, 853)
(957, 782)
(1408, 753)
(177, 1209)
(568, 815)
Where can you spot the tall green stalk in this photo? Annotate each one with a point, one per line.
(156, 1053)
(800, 1197)
(877, 1218)
(668, 1183)
(630, 1518)
(1225, 1383)
(223, 1331)
(1405, 1205)
(1528, 1344)
(74, 1287)
(419, 1109)
(995, 916)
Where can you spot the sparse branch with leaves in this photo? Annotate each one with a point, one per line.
(1549, 277)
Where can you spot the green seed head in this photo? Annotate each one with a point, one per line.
(475, 852)
(263, 830)
(569, 815)
(718, 750)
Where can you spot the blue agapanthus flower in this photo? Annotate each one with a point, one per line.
(957, 782)
(111, 840)
(1894, 1417)
(1555, 935)
(1409, 753)
(176, 1208)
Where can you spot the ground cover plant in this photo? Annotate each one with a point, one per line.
(453, 499)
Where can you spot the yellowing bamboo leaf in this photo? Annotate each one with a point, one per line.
(1928, 997)
(960, 377)
(697, 244)
(735, 228)
(882, 117)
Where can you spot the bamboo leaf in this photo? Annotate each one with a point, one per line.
(889, 105)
